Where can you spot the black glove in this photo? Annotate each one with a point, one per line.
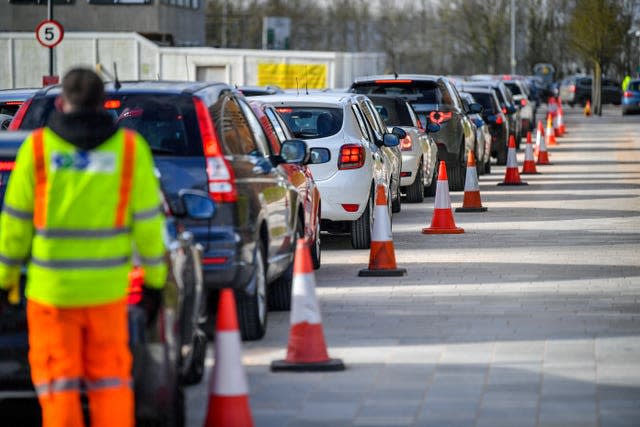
(4, 300)
(151, 302)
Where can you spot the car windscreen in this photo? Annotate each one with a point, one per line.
(167, 122)
(312, 122)
(515, 89)
(484, 99)
(392, 112)
(424, 92)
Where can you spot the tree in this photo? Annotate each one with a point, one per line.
(597, 30)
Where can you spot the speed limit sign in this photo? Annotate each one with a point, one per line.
(49, 33)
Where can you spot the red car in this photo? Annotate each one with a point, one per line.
(299, 174)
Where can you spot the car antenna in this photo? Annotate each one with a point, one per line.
(297, 86)
(186, 65)
(116, 83)
(306, 80)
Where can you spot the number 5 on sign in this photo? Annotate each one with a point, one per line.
(49, 33)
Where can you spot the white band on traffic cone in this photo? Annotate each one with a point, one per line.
(228, 374)
(381, 225)
(304, 304)
(511, 158)
(528, 153)
(471, 181)
(442, 201)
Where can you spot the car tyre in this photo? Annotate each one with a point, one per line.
(396, 204)
(316, 252)
(415, 192)
(430, 190)
(487, 167)
(280, 289)
(361, 228)
(252, 309)
(456, 173)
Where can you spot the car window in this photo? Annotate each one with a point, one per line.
(515, 89)
(446, 96)
(371, 117)
(256, 127)
(278, 127)
(233, 130)
(418, 92)
(484, 99)
(392, 111)
(312, 122)
(364, 130)
(635, 86)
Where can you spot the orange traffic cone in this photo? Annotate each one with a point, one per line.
(511, 174)
(442, 221)
(541, 146)
(550, 133)
(307, 350)
(382, 257)
(529, 165)
(561, 128)
(228, 389)
(471, 201)
(587, 108)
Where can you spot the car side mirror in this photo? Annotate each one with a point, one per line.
(294, 151)
(197, 204)
(390, 140)
(399, 132)
(511, 109)
(433, 128)
(475, 108)
(319, 155)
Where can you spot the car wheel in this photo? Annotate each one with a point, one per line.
(430, 190)
(361, 228)
(415, 192)
(315, 247)
(280, 289)
(176, 416)
(487, 167)
(252, 309)
(502, 156)
(456, 172)
(396, 204)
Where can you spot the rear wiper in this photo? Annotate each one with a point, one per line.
(160, 150)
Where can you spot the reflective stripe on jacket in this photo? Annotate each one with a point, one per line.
(75, 217)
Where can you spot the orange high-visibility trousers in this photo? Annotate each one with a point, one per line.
(86, 347)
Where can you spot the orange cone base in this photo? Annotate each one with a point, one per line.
(529, 168)
(480, 209)
(433, 230)
(229, 411)
(513, 183)
(543, 159)
(326, 366)
(387, 272)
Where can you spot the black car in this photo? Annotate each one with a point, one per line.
(436, 100)
(167, 354)
(507, 104)
(577, 90)
(204, 136)
(493, 115)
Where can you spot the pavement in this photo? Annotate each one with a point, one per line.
(530, 318)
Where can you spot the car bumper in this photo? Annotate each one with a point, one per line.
(348, 187)
(410, 166)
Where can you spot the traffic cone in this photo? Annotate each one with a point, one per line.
(306, 350)
(471, 201)
(442, 221)
(550, 133)
(561, 127)
(529, 165)
(382, 258)
(228, 389)
(541, 146)
(511, 174)
(587, 108)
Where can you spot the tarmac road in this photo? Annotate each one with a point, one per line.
(530, 318)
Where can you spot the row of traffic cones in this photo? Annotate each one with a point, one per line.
(307, 350)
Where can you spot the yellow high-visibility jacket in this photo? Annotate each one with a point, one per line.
(76, 216)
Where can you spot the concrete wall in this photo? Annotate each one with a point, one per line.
(23, 61)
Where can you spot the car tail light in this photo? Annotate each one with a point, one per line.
(405, 174)
(506, 77)
(499, 119)
(628, 94)
(222, 187)
(349, 207)
(7, 166)
(351, 157)
(17, 119)
(439, 117)
(504, 110)
(13, 102)
(406, 144)
(392, 81)
(112, 104)
(216, 260)
(523, 102)
(572, 88)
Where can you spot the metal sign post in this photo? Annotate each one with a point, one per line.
(49, 34)
(49, 18)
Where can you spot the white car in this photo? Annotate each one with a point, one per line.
(418, 176)
(521, 97)
(348, 181)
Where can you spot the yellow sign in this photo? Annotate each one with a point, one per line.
(292, 76)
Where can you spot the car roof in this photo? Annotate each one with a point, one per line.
(148, 86)
(19, 94)
(10, 141)
(416, 77)
(473, 88)
(320, 99)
